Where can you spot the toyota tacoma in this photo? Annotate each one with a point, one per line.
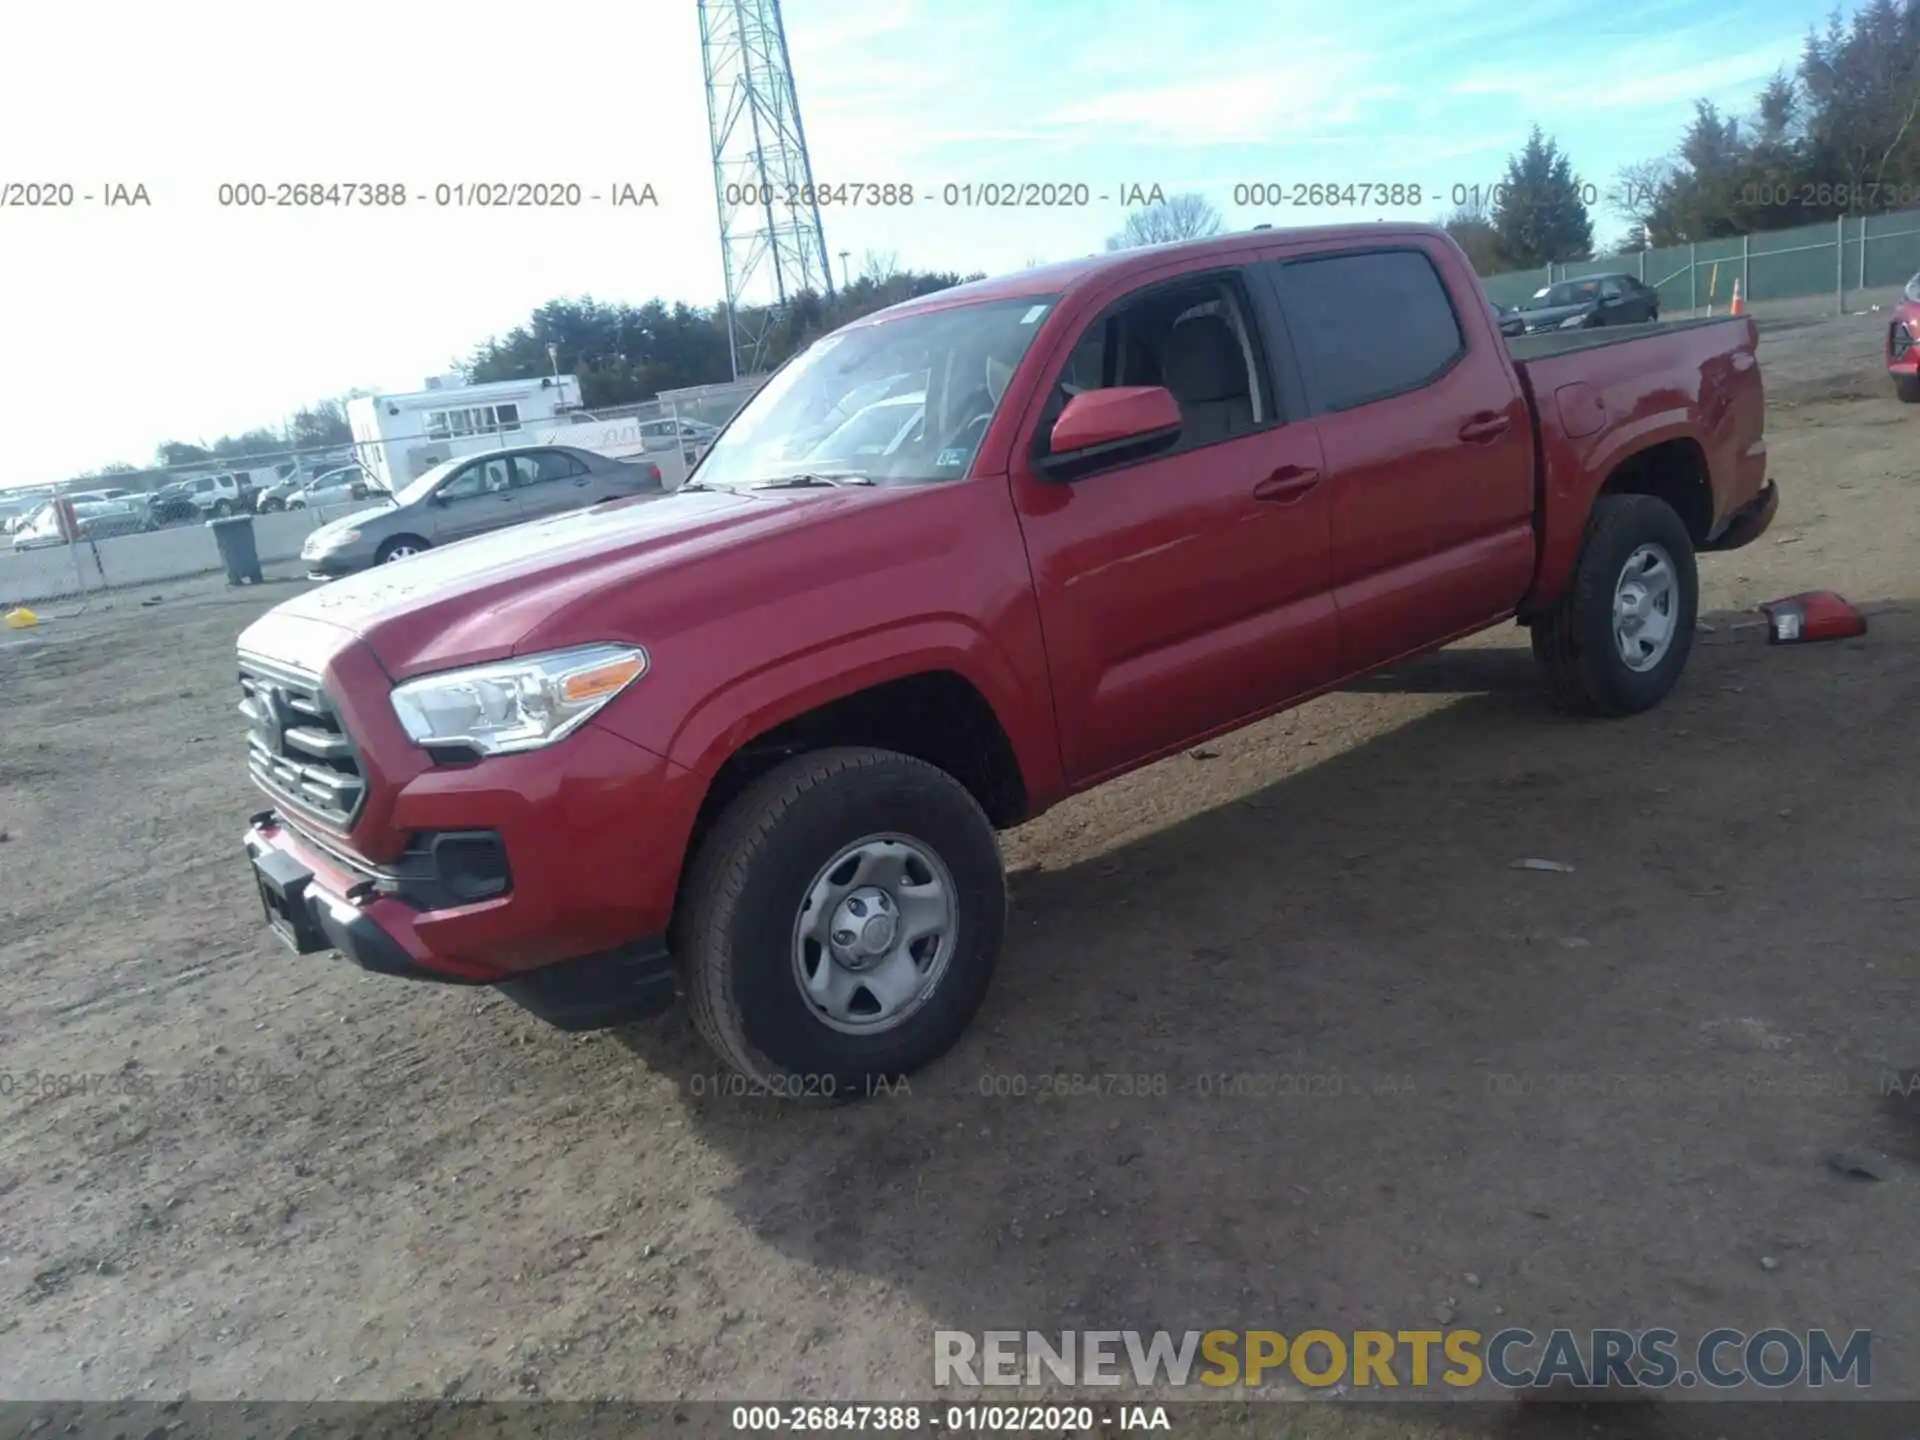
(750, 742)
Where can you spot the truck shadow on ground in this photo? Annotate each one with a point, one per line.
(1323, 1058)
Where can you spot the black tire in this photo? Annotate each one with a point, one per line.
(221, 509)
(743, 894)
(1574, 641)
(387, 547)
(1907, 387)
(268, 506)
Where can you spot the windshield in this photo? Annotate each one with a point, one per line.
(1913, 289)
(903, 400)
(1567, 292)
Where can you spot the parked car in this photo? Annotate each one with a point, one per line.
(1903, 344)
(336, 487)
(692, 436)
(471, 495)
(205, 497)
(98, 519)
(140, 500)
(1581, 304)
(752, 740)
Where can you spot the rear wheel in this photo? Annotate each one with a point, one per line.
(221, 509)
(1907, 387)
(841, 921)
(400, 547)
(1616, 642)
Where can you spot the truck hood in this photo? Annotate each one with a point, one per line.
(482, 599)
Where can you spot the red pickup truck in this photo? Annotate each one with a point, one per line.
(1903, 345)
(751, 741)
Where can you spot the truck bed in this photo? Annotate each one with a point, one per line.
(1561, 342)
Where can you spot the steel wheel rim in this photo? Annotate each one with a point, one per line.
(401, 552)
(875, 934)
(1646, 608)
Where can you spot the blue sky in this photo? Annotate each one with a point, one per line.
(187, 319)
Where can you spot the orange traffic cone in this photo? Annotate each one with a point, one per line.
(1739, 306)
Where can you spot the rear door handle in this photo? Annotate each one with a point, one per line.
(1287, 484)
(1485, 427)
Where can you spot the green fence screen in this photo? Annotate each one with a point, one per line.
(1853, 253)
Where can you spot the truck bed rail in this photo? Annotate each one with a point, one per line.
(1563, 342)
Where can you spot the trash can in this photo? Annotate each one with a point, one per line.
(238, 552)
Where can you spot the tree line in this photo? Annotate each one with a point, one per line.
(1838, 133)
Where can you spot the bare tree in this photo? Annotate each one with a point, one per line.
(1188, 216)
(1471, 226)
(877, 267)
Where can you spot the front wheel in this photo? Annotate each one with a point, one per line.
(1907, 387)
(1616, 641)
(841, 921)
(401, 547)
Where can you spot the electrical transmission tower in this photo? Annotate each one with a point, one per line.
(771, 251)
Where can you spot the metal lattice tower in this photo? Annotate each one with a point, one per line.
(771, 251)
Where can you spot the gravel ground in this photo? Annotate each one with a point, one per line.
(1607, 1095)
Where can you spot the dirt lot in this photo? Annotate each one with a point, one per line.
(1606, 1095)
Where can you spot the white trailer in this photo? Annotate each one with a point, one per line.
(398, 438)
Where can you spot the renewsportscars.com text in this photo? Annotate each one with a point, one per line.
(1513, 1358)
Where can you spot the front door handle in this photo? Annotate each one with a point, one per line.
(1483, 428)
(1287, 484)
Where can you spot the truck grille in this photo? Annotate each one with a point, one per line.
(297, 747)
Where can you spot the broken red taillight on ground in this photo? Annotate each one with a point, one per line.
(1814, 615)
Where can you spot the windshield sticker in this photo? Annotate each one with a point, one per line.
(951, 459)
(1034, 314)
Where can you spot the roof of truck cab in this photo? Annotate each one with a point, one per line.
(1066, 276)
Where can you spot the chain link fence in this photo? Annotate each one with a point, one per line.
(1848, 256)
(143, 527)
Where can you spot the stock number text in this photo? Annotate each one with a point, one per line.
(826, 1417)
(1271, 193)
(311, 195)
(1849, 197)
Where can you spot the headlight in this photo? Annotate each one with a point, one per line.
(1573, 322)
(517, 704)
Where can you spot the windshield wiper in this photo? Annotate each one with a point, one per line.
(801, 482)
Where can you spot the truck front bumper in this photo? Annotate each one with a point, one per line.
(313, 904)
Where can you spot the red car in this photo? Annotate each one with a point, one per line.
(1903, 345)
(751, 741)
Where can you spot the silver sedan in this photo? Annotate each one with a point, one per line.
(473, 495)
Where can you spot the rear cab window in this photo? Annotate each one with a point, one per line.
(1368, 325)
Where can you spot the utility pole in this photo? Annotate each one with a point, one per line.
(772, 245)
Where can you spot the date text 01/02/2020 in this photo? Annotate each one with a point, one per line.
(908, 1419)
(458, 195)
(973, 194)
(1272, 194)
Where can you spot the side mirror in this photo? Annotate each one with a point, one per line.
(1101, 423)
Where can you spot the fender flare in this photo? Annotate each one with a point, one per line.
(718, 725)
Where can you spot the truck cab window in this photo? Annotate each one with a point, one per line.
(1369, 325)
(1194, 339)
